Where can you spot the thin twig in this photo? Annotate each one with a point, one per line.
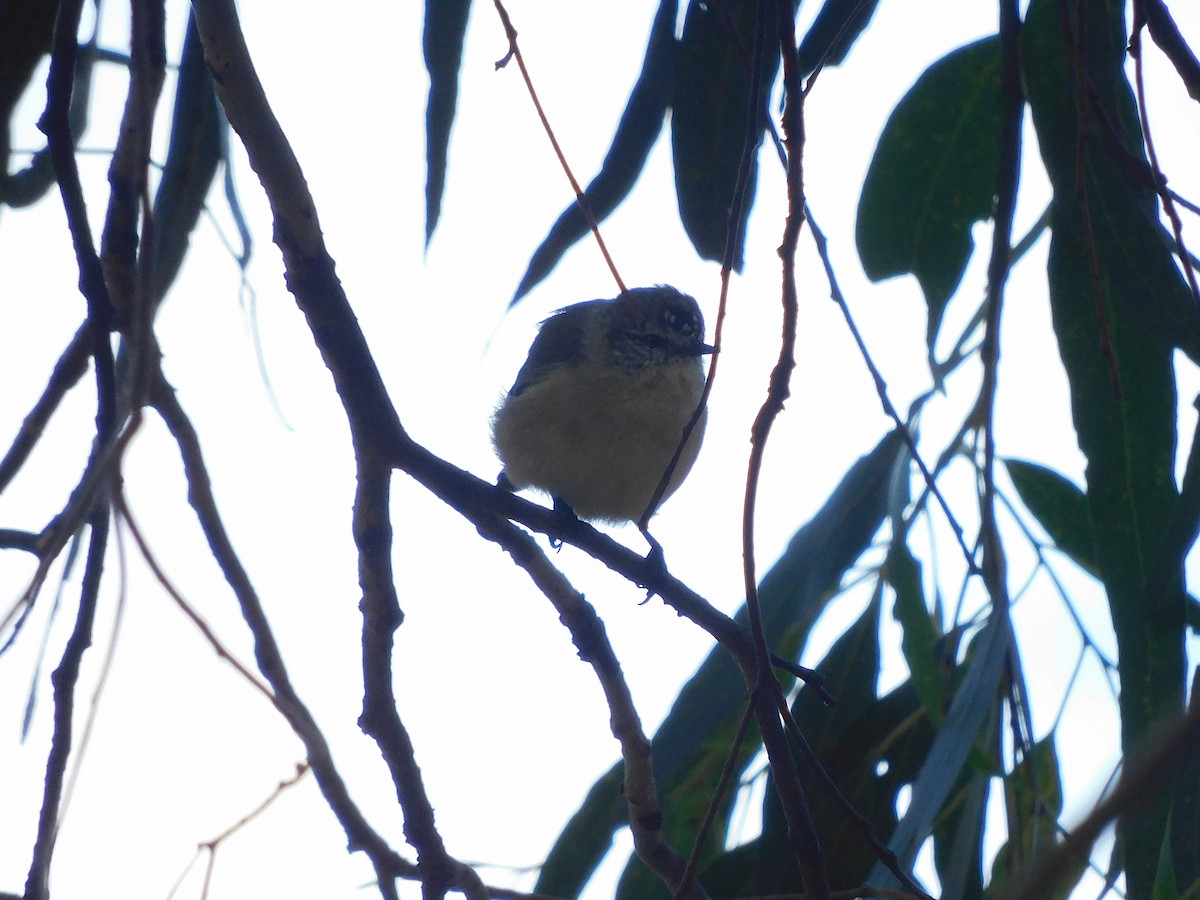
(733, 240)
(188, 610)
(110, 656)
(129, 169)
(1008, 180)
(766, 690)
(514, 52)
(55, 124)
(16, 539)
(71, 366)
(1039, 550)
(835, 293)
(212, 844)
(714, 803)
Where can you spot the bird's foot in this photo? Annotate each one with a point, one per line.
(656, 561)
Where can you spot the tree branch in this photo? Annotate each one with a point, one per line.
(380, 718)
(589, 636)
(359, 833)
(55, 124)
(66, 374)
(64, 680)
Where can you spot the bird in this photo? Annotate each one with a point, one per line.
(599, 408)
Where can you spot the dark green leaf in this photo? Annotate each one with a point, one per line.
(921, 633)
(693, 737)
(834, 31)
(1165, 887)
(1060, 508)
(191, 165)
(1132, 249)
(445, 29)
(585, 839)
(958, 836)
(709, 115)
(972, 703)
(1033, 800)
(934, 175)
(875, 758)
(871, 747)
(32, 25)
(793, 594)
(1110, 292)
(1185, 807)
(636, 133)
(837, 735)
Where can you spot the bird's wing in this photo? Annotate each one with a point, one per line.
(560, 342)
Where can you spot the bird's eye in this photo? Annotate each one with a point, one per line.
(654, 341)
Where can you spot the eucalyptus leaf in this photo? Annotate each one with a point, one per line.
(445, 31)
(691, 744)
(933, 176)
(1115, 297)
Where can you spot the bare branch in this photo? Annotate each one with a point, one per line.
(66, 374)
(588, 634)
(129, 169)
(359, 833)
(55, 124)
(380, 717)
(64, 679)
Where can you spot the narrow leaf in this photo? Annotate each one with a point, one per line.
(793, 594)
(1033, 794)
(191, 165)
(920, 634)
(709, 115)
(636, 134)
(834, 31)
(1060, 507)
(972, 703)
(1111, 291)
(445, 30)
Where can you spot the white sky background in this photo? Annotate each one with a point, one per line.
(509, 726)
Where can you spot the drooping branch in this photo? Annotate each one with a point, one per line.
(55, 124)
(71, 366)
(380, 716)
(64, 680)
(589, 636)
(359, 833)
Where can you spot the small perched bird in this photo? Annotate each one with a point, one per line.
(600, 405)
